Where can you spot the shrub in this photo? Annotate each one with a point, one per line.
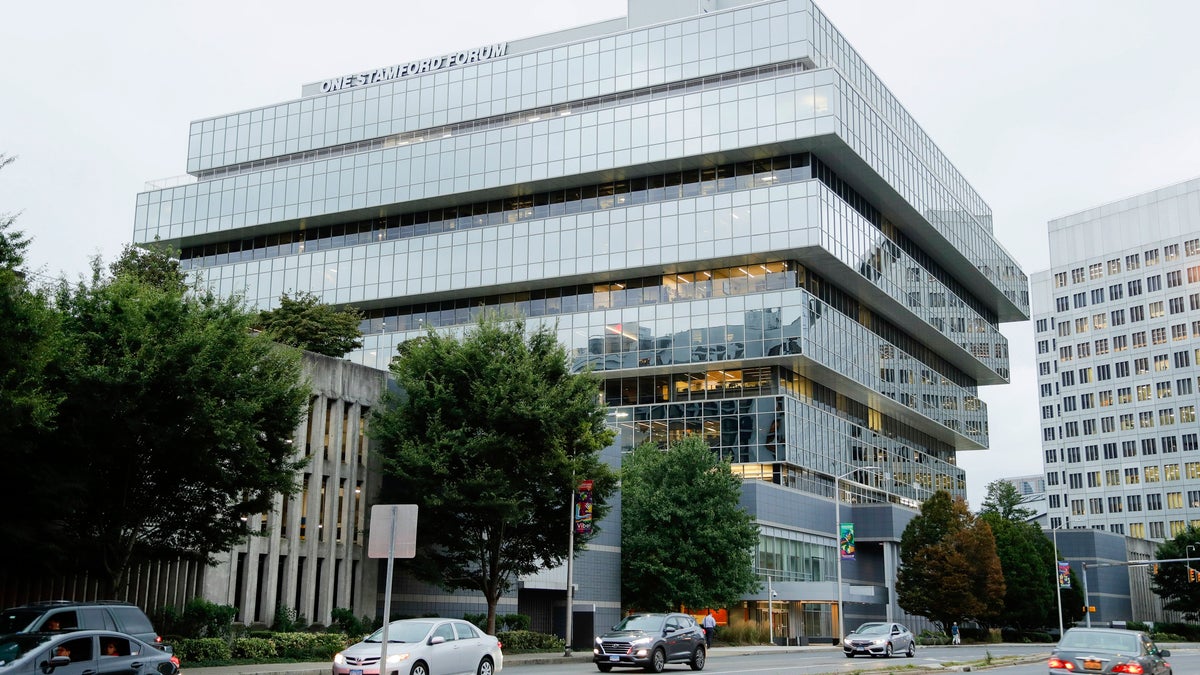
(744, 633)
(313, 646)
(480, 620)
(529, 641)
(190, 650)
(258, 649)
(928, 637)
(286, 620)
(167, 620)
(204, 619)
(345, 622)
(510, 622)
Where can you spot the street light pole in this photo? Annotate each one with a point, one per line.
(837, 535)
(1057, 581)
(770, 610)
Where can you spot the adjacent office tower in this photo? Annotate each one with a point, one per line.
(720, 207)
(1117, 331)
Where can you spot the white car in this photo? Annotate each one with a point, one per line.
(421, 647)
(880, 639)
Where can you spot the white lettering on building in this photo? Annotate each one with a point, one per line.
(415, 68)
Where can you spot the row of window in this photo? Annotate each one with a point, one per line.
(1125, 422)
(1127, 449)
(1117, 291)
(1133, 261)
(1105, 371)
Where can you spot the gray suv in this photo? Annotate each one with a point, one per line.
(59, 615)
(651, 641)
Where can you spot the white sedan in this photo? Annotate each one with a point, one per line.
(421, 647)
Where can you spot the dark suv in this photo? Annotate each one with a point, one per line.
(651, 641)
(68, 615)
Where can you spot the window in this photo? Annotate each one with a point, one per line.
(1170, 252)
(1065, 353)
(1183, 360)
(1174, 279)
(1114, 266)
(1150, 448)
(1141, 366)
(1153, 283)
(1163, 389)
(1047, 412)
(1106, 398)
(1097, 296)
(1110, 452)
(1068, 404)
(1103, 372)
(1191, 247)
(1060, 279)
(1095, 270)
(1100, 321)
(1062, 304)
(1143, 392)
(1194, 300)
(1137, 313)
(1129, 449)
(1134, 287)
(1146, 419)
(1044, 368)
(1190, 443)
(1084, 349)
(1176, 305)
(1108, 425)
(1116, 292)
(1170, 445)
(1046, 390)
(1114, 504)
(1081, 324)
(1132, 477)
(1158, 336)
(1161, 363)
(1193, 274)
(1179, 331)
(1118, 317)
(1124, 395)
(1089, 426)
(1154, 502)
(1132, 262)
(1043, 324)
(1151, 257)
(1064, 329)
(1101, 347)
(1187, 414)
(1085, 375)
(1071, 429)
(1120, 343)
(1096, 504)
(1068, 378)
(1127, 425)
(1139, 340)
(1156, 309)
(1080, 300)
(1052, 458)
(1077, 275)
(1043, 346)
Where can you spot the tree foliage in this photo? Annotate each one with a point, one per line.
(177, 420)
(949, 570)
(29, 400)
(305, 322)
(1171, 583)
(490, 437)
(685, 538)
(1026, 558)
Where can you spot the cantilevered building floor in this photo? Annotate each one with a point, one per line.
(723, 211)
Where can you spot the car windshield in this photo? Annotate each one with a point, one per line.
(640, 622)
(403, 631)
(16, 621)
(1115, 642)
(13, 647)
(873, 629)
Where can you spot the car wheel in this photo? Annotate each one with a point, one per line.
(419, 668)
(912, 650)
(888, 650)
(485, 666)
(603, 667)
(698, 658)
(658, 661)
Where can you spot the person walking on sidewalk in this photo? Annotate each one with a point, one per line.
(954, 638)
(710, 627)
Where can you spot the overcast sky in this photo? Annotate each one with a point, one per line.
(1048, 107)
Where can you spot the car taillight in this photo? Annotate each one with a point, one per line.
(499, 644)
(157, 639)
(175, 660)
(1061, 664)
(1132, 668)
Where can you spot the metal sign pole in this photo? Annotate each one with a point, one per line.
(387, 590)
(570, 568)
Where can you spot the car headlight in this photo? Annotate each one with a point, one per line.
(879, 642)
(339, 659)
(642, 641)
(846, 641)
(393, 659)
(599, 641)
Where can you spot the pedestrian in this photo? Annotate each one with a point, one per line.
(954, 638)
(710, 628)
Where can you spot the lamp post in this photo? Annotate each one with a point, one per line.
(770, 610)
(837, 535)
(1057, 582)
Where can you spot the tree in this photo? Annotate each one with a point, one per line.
(1004, 501)
(685, 538)
(1026, 558)
(1173, 583)
(178, 418)
(29, 400)
(307, 323)
(490, 437)
(949, 570)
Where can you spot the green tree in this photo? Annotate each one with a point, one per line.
(685, 538)
(490, 438)
(178, 418)
(29, 400)
(1026, 558)
(1172, 583)
(307, 323)
(1004, 501)
(949, 570)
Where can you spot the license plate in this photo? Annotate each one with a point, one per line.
(1089, 664)
(357, 671)
(614, 658)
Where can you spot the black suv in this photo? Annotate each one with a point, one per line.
(651, 641)
(68, 615)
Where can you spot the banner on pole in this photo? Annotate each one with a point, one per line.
(846, 541)
(1064, 574)
(583, 508)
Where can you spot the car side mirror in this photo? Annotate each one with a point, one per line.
(436, 640)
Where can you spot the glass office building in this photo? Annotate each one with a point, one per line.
(1118, 340)
(720, 207)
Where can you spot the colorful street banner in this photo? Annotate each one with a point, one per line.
(846, 540)
(1064, 574)
(583, 508)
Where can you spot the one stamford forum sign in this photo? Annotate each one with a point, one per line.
(407, 69)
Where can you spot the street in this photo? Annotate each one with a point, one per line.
(1185, 658)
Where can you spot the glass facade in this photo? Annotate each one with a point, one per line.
(727, 216)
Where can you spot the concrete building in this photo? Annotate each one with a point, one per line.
(722, 210)
(1117, 330)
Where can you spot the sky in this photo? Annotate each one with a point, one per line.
(1047, 107)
